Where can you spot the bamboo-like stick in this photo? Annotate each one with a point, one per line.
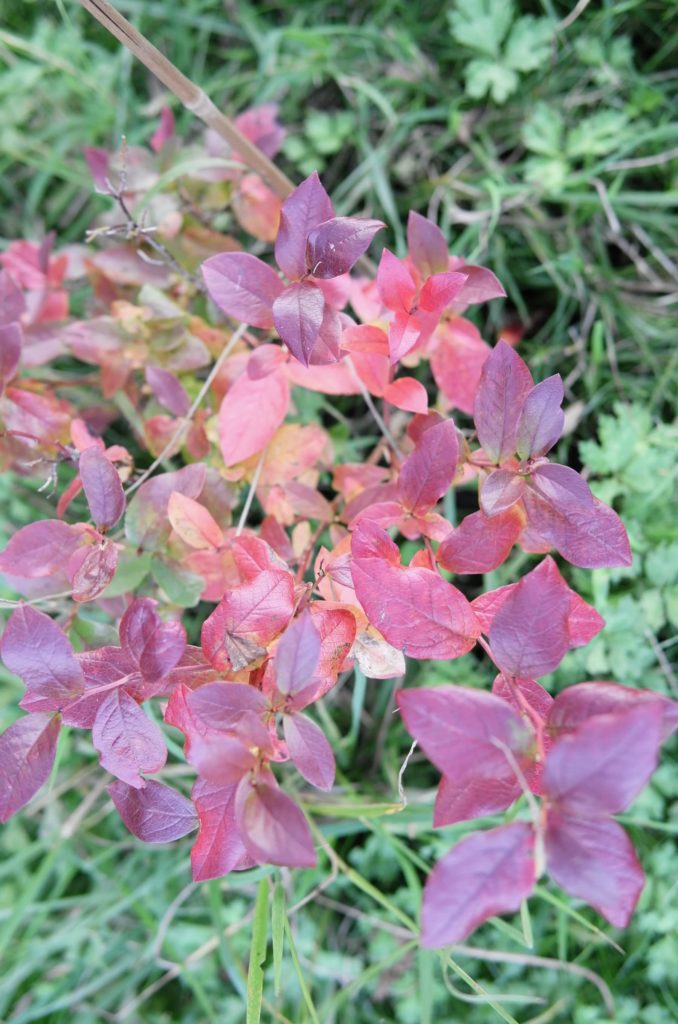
(192, 97)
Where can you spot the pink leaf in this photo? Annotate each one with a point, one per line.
(416, 610)
(481, 286)
(34, 648)
(594, 861)
(480, 544)
(407, 393)
(500, 491)
(504, 385)
(602, 766)
(242, 434)
(273, 828)
(219, 847)
(311, 753)
(333, 247)
(156, 647)
(219, 758)
(155, 814)
(298, 315)
(102, 487)
(426, 475)
(404, 332)
(127, 741)
(248, 618)
(12, 302)
(297, 654)
(11, 338)
(457, 361)
(243, 286)
(440, 290)
(193, 523)
(541, 420)
(27, 751)
(165, 130)
(395, 283)
(40, 549)
(95, 571)
(582, 701)
(426, 245)
(305, 209)
(169, 391)
(485, 874)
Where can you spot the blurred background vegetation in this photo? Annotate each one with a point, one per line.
(542, 137)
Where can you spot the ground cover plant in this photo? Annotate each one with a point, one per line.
(170, 507)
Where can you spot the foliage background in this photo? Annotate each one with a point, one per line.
(544, 145)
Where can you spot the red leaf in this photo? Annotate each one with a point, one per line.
(480, 544)
(465, 732)
(500, 491)
(594, 860)
(333, 247)
(505, 382)
(11, 337)
(193, 523)
(303, 210)
(219, 847)
(169, 391)
(416, 610)
(530, 690)
(34, 648)
(243, 286)
(127, 741)
(247, 619)
(591, 537)
(273, 828)
(582, 701)
(156, 647)
(473, 798)
(426, 475)
(602, 766)
(541, 420)
(27, 751)
(102, 487)
(407, 393)
(155, 814)
(426, 245)
(485, 874)
(40, 549)
(298, 315)
(311, 753)
(395, 283)
(242, 434)
(297, 654)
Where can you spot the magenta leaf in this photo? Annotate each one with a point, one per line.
(500, 491)
(156, 647)
(480, 544)
(582, 701)
(439, 291)
(602, 766)
(427, 473)
(11, 338)
(333, 247)
(169, 391)
(464, 732)
(27, 752)
(273, 828)
(395, 283)
(484, 874)
(426, 245)
(505, 383)
(311, 753)
(541, 420)
(593, 860)
(305, 209)
(219, 847)
(243, 286)
(102, 487)
(298, 316)
(40, 549)
(127, 741)
(34, 648)
(242, 435)
(155, 814)
(416, 610)
(297, 654)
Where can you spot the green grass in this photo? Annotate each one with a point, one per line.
(576, 212)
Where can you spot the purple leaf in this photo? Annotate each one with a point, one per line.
(147, 523)
(273, 828)
(592, 537)
(505, 383)
(12, 302)
(479, 544)
(485, 874)
(155, 814)
(34, 648)
(333, 247)
(427, 473)
(98, 161)
(541, 420)
(243, 286)
(156, 647)
(462, 799)
(169, 391)
(102, 487)
(40, 549)
(127, 741)
(27, 751)
(602, 766)
(594, 860)
(500, 491)
(298, 316)
(311, 753)
(219, 847)
(223, 705)
(296, 657)
(426, 245)
(11, 339)
(561, 486)
(219, 758)
(582, 701)
(307, 207)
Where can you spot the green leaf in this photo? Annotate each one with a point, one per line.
(278, 934)
(542, 132)
(549, 173)
(489, 77)
(182, 587)
(255, 973)
(308, 999)
(481, 24)
(529, 45)
(597, 135)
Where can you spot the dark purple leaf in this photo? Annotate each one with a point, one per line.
(592, 537)
(27, 751)
(102, 487)
(426, 474)
(169, 391)
(307, 207)
(311, 753)
(156, 647)
(273, 828)
(505, 383)
(243, 286)
(40, 549)
(541, 420)
(582, 701)
(34, 648)
(298, 315)
(223, 705)
(334, 246)
(461, 799)
(127, 741)
(155, 814)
